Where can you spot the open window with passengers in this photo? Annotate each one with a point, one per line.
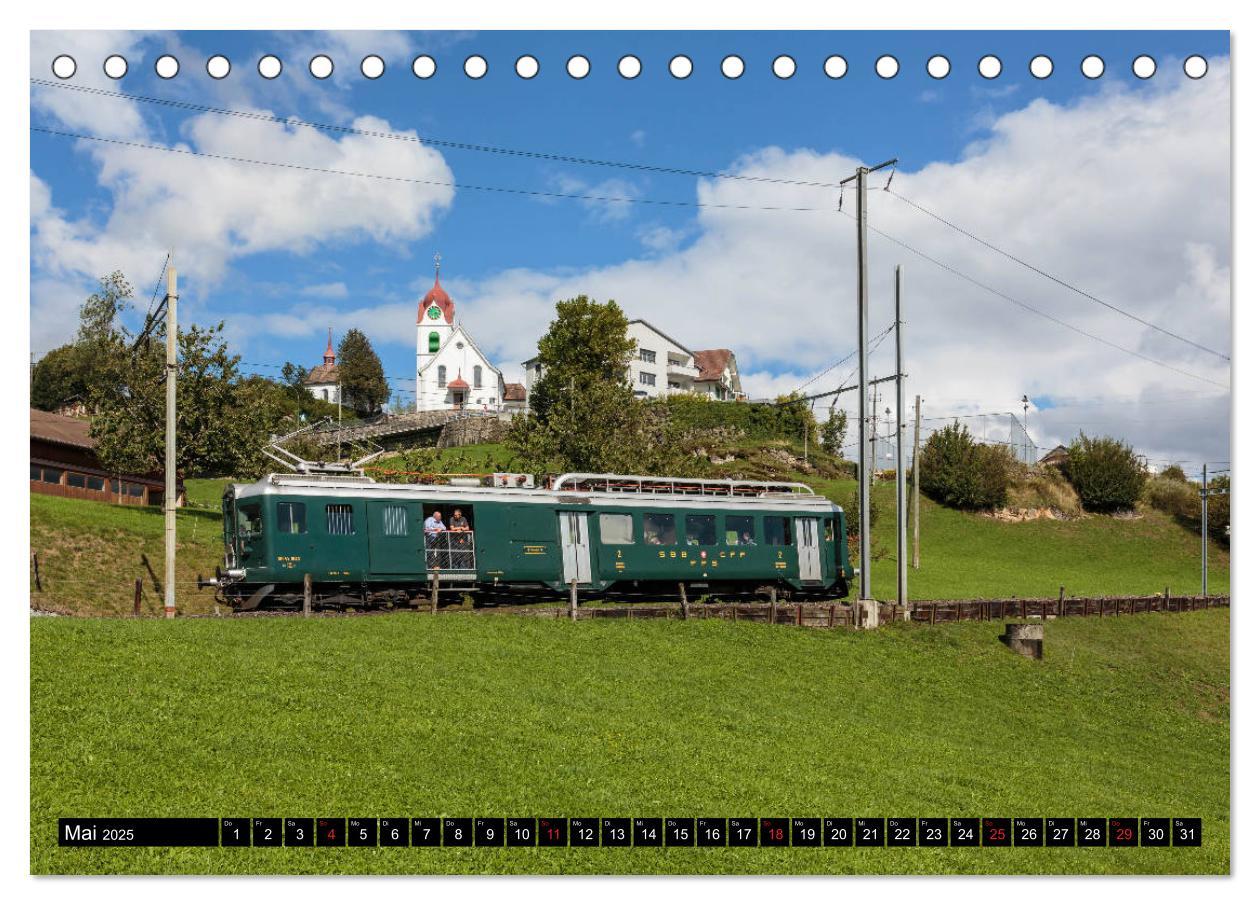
(449, 537)
(741, 531)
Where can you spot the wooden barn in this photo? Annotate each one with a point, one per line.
(64, 463)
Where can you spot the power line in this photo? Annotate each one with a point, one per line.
(660, 202)
(1054, 279)
(435, 142)
(1050, 317)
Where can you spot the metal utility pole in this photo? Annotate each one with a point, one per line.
(901, 458)
(918, 418)
(864, 497)
(338, 420)
(1203, 524)
(1026, 450)
(172, 322)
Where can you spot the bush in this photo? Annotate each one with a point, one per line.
(788, 419)
(959, 471)
(1173, 472)
(1180, 499)
(1106, 473)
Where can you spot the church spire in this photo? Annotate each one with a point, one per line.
(330, 357)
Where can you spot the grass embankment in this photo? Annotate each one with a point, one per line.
(462, 716)
(91, 553)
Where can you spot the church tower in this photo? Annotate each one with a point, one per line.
(435, 322)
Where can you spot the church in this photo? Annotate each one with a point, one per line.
(451, 372)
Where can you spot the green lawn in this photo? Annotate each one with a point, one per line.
(408, 715)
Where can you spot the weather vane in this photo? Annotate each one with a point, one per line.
(437, 263)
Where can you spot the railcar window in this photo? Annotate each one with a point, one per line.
(829, 530)
(340, 518)
(249, 523)
(701, 530)
(291, 518)
(395, 519)
(778, 531)
(740, 531)
(616, 527)
(658, 529)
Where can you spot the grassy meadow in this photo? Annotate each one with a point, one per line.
(406, 715)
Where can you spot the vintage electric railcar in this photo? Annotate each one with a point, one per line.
(363, 543)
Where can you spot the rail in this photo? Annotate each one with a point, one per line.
(450, 551)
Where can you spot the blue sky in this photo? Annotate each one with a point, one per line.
(345, 253)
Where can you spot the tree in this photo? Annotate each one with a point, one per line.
(1173, 472)
(363, 385)
(60, 378)
(67, 374)
(1107, 473)
(833, 431)
(584, 415)
(958, 471)
(222, 422)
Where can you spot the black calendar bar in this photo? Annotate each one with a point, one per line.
(633, 832)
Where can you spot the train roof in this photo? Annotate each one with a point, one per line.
(581, 489)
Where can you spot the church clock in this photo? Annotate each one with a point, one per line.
(434, 312)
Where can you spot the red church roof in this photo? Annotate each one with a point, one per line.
(436, 296)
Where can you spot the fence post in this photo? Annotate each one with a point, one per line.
(774, 604)
(573, 600)
(433, 592)
(135, 605)
(306, 596)
(682, 592)
(35, 561)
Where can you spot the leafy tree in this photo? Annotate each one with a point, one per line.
(959, 471)
(98, 315)
(584, 415)
(1107, 473)
(66, 374)
(60, 378)
(221, 421)
(833, 431)
(363, 385)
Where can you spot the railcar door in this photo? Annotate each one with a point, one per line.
(575, 547)
(395, 538)
(807, 549)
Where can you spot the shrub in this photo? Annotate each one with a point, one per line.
(1173, 472)
(1178, 498)
(959, 471)
(1106, 473)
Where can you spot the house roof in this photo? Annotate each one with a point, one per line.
(658, 332)
(61, 429)
(321, 374)
(513, 392)
(712, 362)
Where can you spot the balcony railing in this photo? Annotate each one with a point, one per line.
(450, 551)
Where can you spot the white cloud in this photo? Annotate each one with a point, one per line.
(325, 291)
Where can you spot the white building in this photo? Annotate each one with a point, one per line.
(661, 365)
(451, 372)
(324, 380)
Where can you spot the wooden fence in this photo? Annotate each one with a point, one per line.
(843, 615)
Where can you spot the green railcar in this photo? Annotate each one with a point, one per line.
(364, 543)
